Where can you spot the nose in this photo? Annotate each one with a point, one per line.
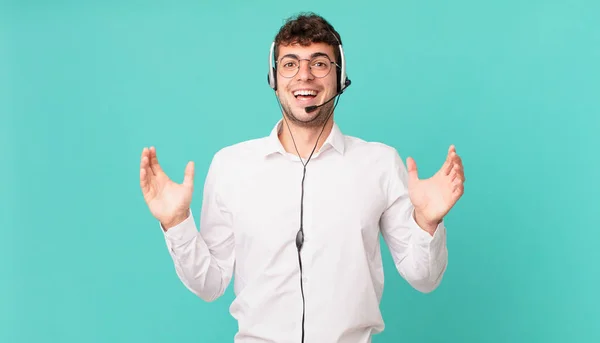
(304, 72)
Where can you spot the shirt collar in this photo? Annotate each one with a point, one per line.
(273, 145)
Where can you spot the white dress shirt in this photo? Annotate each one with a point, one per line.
(354, 191)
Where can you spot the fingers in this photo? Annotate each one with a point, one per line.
(188, 177)
(447, 166)
(458, 188)
(457, 173)
(451, 149)
(449, 162)
(453, 165)
(154, 165)
(457, 176)
(453, 156)
(144, 184)
(144, 169)
(411, 167)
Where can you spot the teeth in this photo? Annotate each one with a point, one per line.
(305, 92)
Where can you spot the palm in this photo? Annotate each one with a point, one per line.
(165, 198)
(435, 196)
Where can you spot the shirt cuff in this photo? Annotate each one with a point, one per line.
(435, 246)
(423, 238)
(182, 232)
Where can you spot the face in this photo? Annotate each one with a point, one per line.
(304, 88)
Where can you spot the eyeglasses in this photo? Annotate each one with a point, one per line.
(320, 66)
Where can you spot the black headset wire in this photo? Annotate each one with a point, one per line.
(300, 234)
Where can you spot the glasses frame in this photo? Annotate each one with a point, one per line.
(333, 63)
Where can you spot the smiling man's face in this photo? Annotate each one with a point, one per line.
(314, 82)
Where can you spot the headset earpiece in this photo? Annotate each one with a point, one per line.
(272, 75)
(272, 78)
(342, 77)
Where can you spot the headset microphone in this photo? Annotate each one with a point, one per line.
(312, 108)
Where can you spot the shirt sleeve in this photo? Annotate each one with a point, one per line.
(204, 260)
(421, 259)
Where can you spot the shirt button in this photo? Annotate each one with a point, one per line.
(305, 279)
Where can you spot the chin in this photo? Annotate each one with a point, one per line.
(299, 117)
(295, 110)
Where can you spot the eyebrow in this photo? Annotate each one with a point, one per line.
(313, 55)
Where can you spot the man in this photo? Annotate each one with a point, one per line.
(294, 218)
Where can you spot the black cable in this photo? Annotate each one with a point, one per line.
(300, 234)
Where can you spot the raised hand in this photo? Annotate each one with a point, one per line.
(434, 197)
(168, 201)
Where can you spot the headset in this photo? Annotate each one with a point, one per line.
(342, 83)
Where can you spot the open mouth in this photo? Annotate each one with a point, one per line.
(305, 94)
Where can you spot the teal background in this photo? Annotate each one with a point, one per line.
(84, 86)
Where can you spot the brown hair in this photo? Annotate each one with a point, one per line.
(306, 28)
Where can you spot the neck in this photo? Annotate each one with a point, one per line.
(304, 137)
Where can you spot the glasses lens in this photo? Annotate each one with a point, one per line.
(319, 66)
(288, 67)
